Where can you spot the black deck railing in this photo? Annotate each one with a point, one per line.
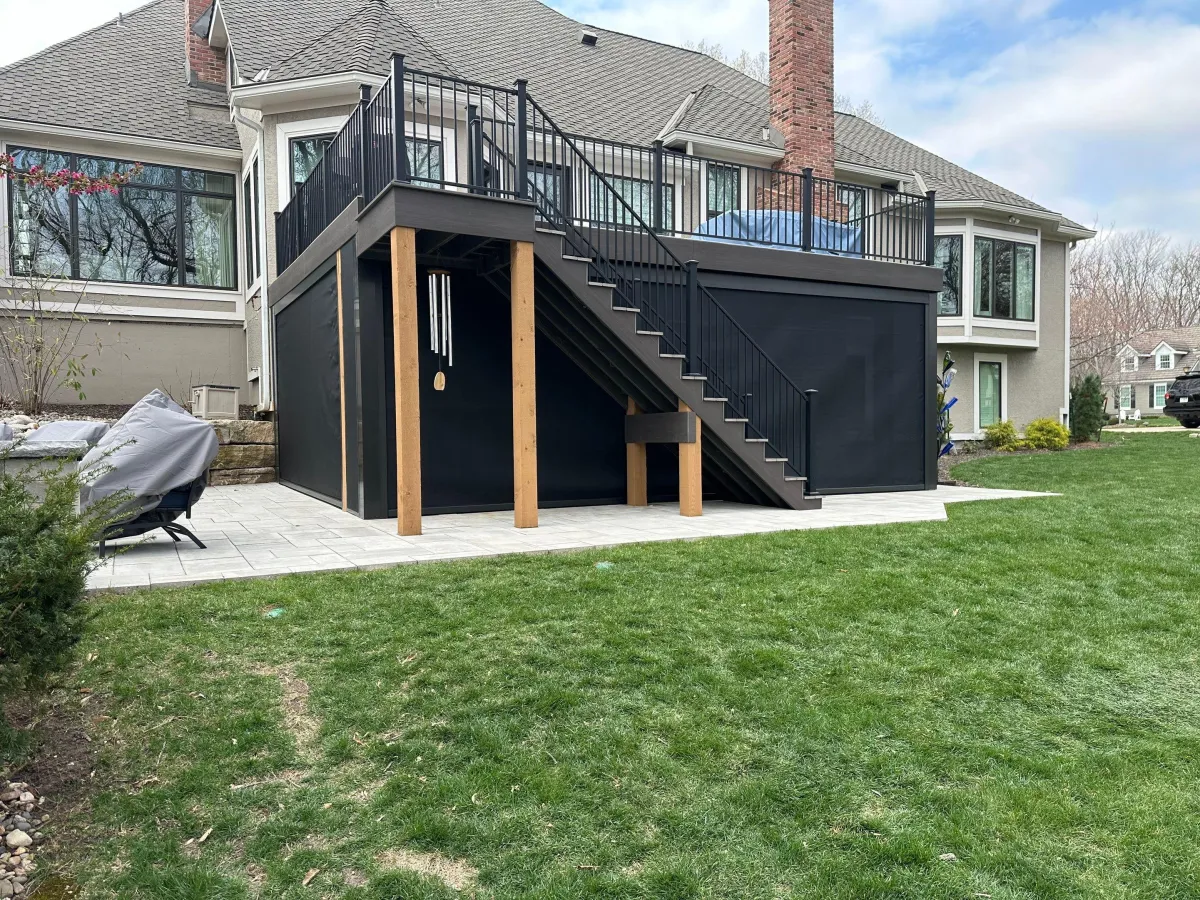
(615, 203)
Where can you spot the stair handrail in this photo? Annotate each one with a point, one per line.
(796, 455)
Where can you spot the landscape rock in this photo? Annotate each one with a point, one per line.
(244, 431)
(17, 839)
(241, 476)
(245, 456)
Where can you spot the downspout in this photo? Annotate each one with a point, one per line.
(266, 369)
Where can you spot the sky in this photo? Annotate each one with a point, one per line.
(1089, 107)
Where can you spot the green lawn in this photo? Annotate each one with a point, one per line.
(819, 714)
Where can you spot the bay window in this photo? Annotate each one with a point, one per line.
(948, 257)
(1004, 279)
(168, 226)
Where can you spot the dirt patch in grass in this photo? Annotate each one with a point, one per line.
(456, 874)
(303, 726)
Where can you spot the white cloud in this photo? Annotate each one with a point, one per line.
(30, 27)
(734, 24)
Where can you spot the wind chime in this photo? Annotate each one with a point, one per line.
(441, 335)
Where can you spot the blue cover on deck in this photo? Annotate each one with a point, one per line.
(781, 230)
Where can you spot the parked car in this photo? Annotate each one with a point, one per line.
(1183, 399)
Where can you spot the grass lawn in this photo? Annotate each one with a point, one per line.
(817, 714)
(1152, 422)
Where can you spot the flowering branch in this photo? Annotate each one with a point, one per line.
(76, 183)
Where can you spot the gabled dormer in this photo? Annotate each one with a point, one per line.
(1128, 359)
(1165, 357)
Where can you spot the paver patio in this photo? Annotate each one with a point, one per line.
(257, 531)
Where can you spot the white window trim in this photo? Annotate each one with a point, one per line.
(981, 229)
(1154, 404)
(1001, 358)
(1129, 357)
(964, 304)
(284, 133)
(120, 288)
(1121, 389)
(252, 287)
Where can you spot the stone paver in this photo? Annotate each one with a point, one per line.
(264, 530)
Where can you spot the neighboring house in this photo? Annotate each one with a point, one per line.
(1146, 366)
(232, 106)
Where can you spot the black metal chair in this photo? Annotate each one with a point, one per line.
(178, 502)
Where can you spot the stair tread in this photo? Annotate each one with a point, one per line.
(582, 259)
(694, 377)
(601, 284)
(544, 230)
(652, 333)
(756, 440)
(794, 478)
(673, 355)
(717, 399)
(737, 421)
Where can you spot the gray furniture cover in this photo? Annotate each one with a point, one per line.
(6, 432)
(90, 432)
(156, 447)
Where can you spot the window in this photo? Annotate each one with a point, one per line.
(991, 406)
(1166, 362)
(948, 257)
(1126, 396)
(425, 161)
(1004, 279)
(551, 183)
(1160, 396)
(636, 192)
(250, 214)
(1129, 363)
(305, 153)
(851, 202)
(168, 226)
(724, 190)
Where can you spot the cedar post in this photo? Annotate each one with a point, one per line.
(690, 481)
(524, 380)
(407, 371)
(636, 492)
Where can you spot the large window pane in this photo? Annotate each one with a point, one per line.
(1024, 282)
(425, 161)
(983, 276)
(948, 257)
(1002, 295)
(306, 152)
(724, 188)
(989, 394)
(638, 195)
(131, 237)
(209, 242)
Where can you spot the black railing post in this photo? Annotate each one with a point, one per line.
(806, 424)
(280, 256)
(806, 211)
(364, 140)
(930, 236)
(692, 314)
(658, 187)
(400, 140)
(474, 149)
(522, 141)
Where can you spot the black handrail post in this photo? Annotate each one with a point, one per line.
(930, 235)
(692, 314)
(806, 211)
(806, 424)
(364, 100)
(473, 152)
(280, 256)
(400, 163)
(658, 187)
(522, 141)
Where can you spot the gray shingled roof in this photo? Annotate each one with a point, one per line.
(129, 78)
(123, 78)
(1181, 339)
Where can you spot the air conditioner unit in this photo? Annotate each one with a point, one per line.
(215, 401)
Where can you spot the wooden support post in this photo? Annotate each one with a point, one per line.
(342, 385)
(635, 466)
(690, 482)
(408, 375)
(524, 379)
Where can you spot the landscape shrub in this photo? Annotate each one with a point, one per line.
(1047, 434)
(46, 555)
(1088, 415)
(1001, 436)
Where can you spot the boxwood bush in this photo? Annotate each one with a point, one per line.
(1047, 434)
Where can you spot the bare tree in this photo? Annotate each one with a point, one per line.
(1125, 284)
(756, 65)
(843, 103)
(41, 323)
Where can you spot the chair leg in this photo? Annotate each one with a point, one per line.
(174, 529)
(173, 535)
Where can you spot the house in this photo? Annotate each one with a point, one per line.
(759, 275)
(1146, 366)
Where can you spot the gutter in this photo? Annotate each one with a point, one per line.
(266, 382)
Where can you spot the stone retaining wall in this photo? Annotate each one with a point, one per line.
(247, 454)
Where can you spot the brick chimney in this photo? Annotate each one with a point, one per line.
(205, 65)
(801, 38)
